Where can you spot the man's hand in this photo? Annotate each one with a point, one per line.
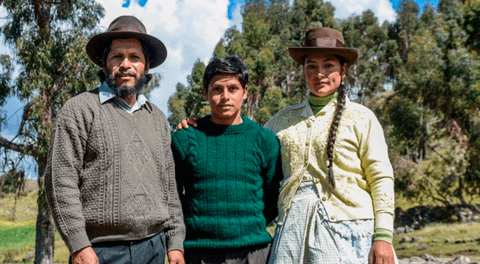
(85, 256)
(175, 257)
(191, 120)
(381, 253)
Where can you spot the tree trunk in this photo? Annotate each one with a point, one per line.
(45, 229)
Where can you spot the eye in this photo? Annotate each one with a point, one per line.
(311, 66)
(216, 89)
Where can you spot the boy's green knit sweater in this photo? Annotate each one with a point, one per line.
(228, 179)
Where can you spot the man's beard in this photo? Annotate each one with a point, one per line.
(123, 91)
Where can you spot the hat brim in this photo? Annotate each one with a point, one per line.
(156, 49)
(298, 53)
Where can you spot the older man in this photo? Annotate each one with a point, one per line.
(110, 177)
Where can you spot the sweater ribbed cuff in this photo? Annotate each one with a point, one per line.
(382, 234)
(76, 241)
(174, 241)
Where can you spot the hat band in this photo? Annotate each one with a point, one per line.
(130, 29)
(324, 43)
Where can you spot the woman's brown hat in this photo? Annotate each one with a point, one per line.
(127, 27)
(324, 41)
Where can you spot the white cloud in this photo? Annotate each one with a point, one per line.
(189, 29)
(382, 9)
(237, 17)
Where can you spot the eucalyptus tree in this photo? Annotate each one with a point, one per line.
(48, 40)
(434, 106)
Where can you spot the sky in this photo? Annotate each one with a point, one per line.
(190, 30)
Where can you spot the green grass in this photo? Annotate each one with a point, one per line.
(17, 229)
(440, 232)
(17, 240)
(16, 236)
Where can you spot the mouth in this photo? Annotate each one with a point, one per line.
(125, 76)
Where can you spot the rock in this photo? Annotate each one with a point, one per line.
(405, 239)
(460, 260)
(422, 247)
(29, 257)
(428, 257)
(408, 229)
(448, 240)
(435, 240)
(476, 218)
(417, 239)
(400, 230)
(465, 215)
(417, 260)
(459, 241)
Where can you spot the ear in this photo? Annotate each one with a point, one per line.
(147, 68)
(344, 72)
(205, 93)
(245, 92)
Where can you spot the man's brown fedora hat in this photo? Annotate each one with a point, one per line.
(127, 27)
(326, 41)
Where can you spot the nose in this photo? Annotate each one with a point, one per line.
(321, 72)
(225, 95)
(125, 64)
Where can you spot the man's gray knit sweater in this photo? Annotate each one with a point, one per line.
(110, 174)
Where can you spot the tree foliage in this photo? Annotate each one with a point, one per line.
(419, 74)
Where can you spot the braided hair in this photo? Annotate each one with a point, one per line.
(332, 135)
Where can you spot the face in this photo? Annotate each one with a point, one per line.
(225, 95)
(126, 64)
(323, 73)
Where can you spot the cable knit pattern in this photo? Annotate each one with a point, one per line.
(110, 175)
(230, 179)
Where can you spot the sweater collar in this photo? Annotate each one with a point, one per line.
(207, 124)
(307, 110)
(105, 93)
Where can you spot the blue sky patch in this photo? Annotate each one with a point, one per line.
(142, 3)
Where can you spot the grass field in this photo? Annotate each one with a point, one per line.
(17, 230)
(17, 235)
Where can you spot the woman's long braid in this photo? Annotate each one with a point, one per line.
(342, 95)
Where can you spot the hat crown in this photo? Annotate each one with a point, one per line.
(324, 38)
(127, 24)
(326, 41)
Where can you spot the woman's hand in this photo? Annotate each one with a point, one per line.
(191, 120)
(381, 253)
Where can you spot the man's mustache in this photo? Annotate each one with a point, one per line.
(125, 73)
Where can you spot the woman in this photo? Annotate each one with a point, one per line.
(336, 201)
